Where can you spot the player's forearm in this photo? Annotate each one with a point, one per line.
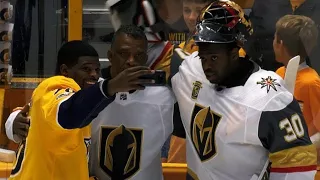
(294, 163)
(80, 109)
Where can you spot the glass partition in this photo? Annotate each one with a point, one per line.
(31, 33)
(97, 28)
(40, 27)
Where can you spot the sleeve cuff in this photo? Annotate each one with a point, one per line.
(100, 79)
(9, 127)
(104, 87)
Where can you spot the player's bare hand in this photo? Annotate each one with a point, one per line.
(21, 123)
(129, 80)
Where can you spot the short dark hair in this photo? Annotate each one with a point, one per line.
(70, 52)
(131, 30)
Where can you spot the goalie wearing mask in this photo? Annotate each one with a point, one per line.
(238, 117)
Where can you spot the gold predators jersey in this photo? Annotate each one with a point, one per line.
(51, 152)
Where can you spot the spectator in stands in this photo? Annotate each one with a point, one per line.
(297, 35)
(264, 16)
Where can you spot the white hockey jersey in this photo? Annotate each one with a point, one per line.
(127, 136)
(232, 133)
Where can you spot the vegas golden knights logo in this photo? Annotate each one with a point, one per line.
(120, 151)
(196, 88)
(203, 127)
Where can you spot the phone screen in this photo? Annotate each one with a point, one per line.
(159, 77)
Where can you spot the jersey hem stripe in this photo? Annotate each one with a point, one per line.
(294, 169)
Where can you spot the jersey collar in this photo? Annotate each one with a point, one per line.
(240, 77)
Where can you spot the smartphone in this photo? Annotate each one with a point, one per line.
(159, 76)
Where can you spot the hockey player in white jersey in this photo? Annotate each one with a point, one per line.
(236, 115)
(127, 136)
(143, 14)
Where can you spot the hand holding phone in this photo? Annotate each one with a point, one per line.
(159, 77)
(129, 80)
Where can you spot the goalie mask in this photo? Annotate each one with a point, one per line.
(139, 12)
(223, 22)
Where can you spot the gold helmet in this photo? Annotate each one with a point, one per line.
(223, 21)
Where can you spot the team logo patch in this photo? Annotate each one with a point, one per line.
(196, 88)
(268, 83)
(204, 123)
(120, 151)
(123, 96)
(66, 92)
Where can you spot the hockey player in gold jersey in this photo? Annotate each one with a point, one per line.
(56, 146)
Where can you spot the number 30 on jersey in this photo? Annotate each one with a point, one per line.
(293, 127)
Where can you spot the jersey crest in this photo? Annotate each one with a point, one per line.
(197, 85)
(120, 151)
(268, 83)
(123, 96)
(204, 123)
(66, 92)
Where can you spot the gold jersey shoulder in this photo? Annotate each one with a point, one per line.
(51, 152)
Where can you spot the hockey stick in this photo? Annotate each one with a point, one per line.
(291, 73)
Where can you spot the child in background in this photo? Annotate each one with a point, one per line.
(297, 35)
(191, 11)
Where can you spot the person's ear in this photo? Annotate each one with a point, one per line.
(109, 56)
(235, 54)
(64, 70)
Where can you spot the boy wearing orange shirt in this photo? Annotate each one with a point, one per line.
(297, 35)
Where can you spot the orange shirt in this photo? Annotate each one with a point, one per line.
(307, 92)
